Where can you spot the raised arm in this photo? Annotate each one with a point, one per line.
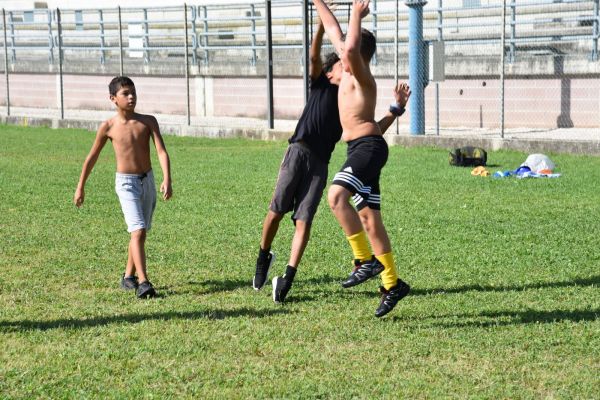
(163, 158)
(351, 57)
(401, 95)
(90, 161)
(331, 25)
(316, 65)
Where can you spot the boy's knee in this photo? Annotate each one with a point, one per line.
(273, 217)
(302, 227)
(366, 222)
(140, 234)
(336, 196)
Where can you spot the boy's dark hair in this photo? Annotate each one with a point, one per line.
(368, 45)
(117, 83)
(330, 60)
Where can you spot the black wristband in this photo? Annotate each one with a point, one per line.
(397, 110)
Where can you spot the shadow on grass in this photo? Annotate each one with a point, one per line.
(74, 323)
(228, 285)
(591, 281)
(505, 318)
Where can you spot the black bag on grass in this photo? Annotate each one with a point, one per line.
(468, 156)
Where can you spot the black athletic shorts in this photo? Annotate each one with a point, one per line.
(360, 173)
(302, 178)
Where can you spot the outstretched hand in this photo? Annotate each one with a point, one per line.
(362, 6)
(402, 94)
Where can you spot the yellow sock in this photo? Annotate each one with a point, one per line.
(360, 246)
(389, 276)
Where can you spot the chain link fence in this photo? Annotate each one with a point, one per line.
(540, 72)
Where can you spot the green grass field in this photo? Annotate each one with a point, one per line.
(505, 277)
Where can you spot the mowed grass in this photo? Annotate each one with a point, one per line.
(504, 277)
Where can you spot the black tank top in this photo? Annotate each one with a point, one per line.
(319, 125)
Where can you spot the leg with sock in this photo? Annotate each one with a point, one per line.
(393, 289)
(283, 284)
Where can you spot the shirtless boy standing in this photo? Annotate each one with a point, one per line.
(130, 134)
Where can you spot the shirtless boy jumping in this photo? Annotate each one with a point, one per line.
(367, 154)
(130, 134)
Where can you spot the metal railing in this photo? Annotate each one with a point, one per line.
(151, 31)
(213, 38)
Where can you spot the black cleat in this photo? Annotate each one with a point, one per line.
(363, 272)
(262, 271)
(129, 282)
(389, 298)
(145, 290)
(281, 287)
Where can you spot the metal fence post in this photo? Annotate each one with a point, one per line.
(513, 31)
(253, 24)
(60, 65)
(440, 37)
(306, 61)
(13, 55)
(416, 68)
(594, 55)
(194, 37)
(50, 40)
(502, 61)
(187, 69)
(205, 38)
(397, 55)
(102, 42)
(146, 38)
(6, 63)
(120, 43)
(374, 13)
(269, 65)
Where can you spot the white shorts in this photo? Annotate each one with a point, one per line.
(137, 195)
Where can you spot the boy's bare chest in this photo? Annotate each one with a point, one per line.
(130, 133)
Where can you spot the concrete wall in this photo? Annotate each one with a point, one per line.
(473, 103)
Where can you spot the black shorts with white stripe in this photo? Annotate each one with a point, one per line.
(360, 173)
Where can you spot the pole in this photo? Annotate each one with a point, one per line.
(60, 65)
(437, 84)
(513, 31)
(187, 69)
(6, 64)
(269, 65)
(397, 56)
(416, 66)
(502, 61)
(594, 55)
(253, 25)
(102, 41)
(374, 14)
(120, 43)
(305, 46)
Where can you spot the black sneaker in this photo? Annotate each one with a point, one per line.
(129, 282)
(389, 298)
(262, 271)
(145, 290)
(363, 272)
(281, 287)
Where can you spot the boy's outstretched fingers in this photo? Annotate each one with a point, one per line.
(362, 6)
